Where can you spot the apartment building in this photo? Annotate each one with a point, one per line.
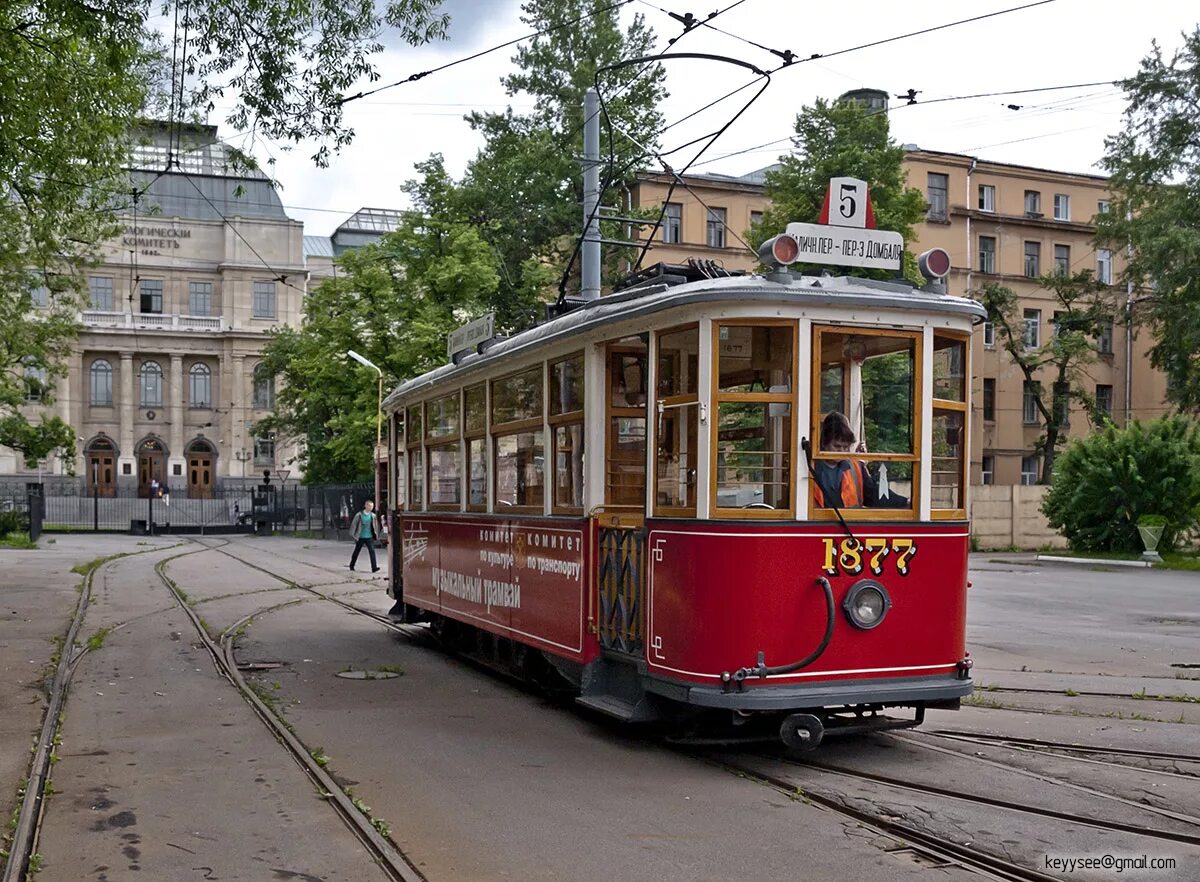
(1000, 223)
(165, 380)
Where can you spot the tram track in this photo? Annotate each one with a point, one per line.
(1066, 747)
(386, 855)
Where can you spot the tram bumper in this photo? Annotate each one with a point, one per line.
(943, 690)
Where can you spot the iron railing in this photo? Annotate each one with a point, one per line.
(622, 554)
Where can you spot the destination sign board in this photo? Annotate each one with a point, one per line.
(471, 335)
(847, 246)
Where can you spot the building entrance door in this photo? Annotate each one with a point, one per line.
(200, 458)
(152, 465)
(101, 468)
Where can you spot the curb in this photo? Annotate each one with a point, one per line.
(1054, 558)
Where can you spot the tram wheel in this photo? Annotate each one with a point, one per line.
(802, 731)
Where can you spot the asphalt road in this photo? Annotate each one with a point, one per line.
(165, 772)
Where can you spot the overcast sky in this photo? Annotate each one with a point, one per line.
(1057, 43)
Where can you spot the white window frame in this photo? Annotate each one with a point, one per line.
(1062, 265)
(987, 269)
(150, 383)
(1033, 328)
(939, 210)
(1104, 266)
(1062, 206)
(260, 296)
(989, 335)
(714, 227)
(987, 198)
(672, 230)
(200, 293)
(99, 282)
(987, 473)
(1029, 408)
(1029, 478)
(1033, 205)
(1103, 206)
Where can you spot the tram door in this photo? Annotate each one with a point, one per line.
(622, 521)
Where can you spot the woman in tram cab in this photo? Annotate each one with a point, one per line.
(845, 483)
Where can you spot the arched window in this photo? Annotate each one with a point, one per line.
(151, 384)
(37, 383)
(264, 388)
(101, 383)
(200, 386)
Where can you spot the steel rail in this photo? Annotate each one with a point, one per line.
(1066, 745)
(32, 807)
(898, 783)
(929, 845)
(390, 859)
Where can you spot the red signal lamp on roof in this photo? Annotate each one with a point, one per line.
(934, 264)
(779, 250)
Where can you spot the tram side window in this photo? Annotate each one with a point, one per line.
(444, 451)
(401, 485)
(948, 476)
(416, 463)
(625, 464)
(566, 426)
(475, 433)
(520, 456)
(678, 411)
(754, 426)
(866, 389)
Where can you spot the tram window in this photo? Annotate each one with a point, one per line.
(948, 475)
(445, 475)
(675, 469)
(753, 455)
(677, 436)
(568, 467)
(474, 410)
(416, 479)
(678, 363)
(949, 377)
(520, 470)
(949, 431)
(477, 474)
(753, 358)
(415, 431)
(517, 397)
(878, 395)
(566, 385)
(443, 416)
(401, 489)
(625, 460)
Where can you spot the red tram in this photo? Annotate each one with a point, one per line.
(636, 495)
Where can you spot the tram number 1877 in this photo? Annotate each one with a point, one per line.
(850, 556)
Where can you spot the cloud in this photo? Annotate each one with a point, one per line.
(471, 22)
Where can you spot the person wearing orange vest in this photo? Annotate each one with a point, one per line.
(845, 483)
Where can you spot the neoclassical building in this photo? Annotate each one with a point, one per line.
(165, 380)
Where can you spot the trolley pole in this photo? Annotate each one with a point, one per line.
(590, 249)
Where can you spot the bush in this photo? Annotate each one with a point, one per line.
(1104, 483)
(12, 522)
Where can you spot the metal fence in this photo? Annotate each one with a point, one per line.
(320, 510)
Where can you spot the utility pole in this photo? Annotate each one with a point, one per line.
(590, 249)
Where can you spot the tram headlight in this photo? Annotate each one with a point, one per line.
(866, 604)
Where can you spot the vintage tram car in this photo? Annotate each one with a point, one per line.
(626, 494)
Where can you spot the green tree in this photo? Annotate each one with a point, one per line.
(1083, 311)
(836, 139)
(1106, 482)
(525, 187)
(394, 302)
(1155, 167)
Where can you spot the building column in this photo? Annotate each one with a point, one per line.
(63, 391)
(176, 411)
(237, 414)
(125, 415)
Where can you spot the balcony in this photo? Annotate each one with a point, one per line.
(96, 318)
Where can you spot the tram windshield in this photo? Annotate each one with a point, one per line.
(869, 381)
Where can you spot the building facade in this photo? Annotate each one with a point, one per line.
(165, 381)
(1000, 223)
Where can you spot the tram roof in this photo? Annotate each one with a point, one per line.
(645, 301)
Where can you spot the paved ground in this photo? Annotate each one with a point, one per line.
(166, 773)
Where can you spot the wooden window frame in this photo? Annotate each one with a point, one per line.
(907, 515)
(683, 400)
(718, 397)
(496, 431)
(439, 443)
(613, 412)
(556, 420)
(469, 435)
(963, 407)
(417, 448)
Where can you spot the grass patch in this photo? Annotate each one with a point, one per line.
(389, 669)
(1179, 560)
(97, 640)
(320, 757)
(17, 540)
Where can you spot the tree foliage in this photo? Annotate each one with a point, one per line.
(394, 302)
(525, 187)
(1155, 166)
(1104, 483)
(1083, 310)
(841, 139)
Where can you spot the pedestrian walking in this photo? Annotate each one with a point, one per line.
(154, 488)
(365, 531)
(165, 490)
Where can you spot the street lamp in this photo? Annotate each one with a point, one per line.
(379, 409)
